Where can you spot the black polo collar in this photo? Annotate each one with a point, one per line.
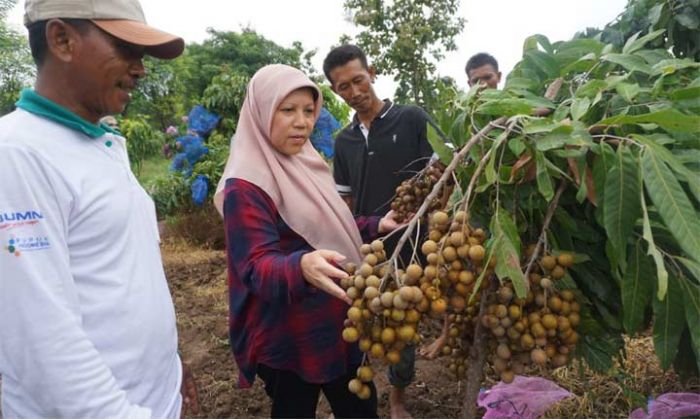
(382, 113)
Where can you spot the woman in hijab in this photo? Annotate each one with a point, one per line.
(287, 230)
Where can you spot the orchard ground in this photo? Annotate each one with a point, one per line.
(197, 280)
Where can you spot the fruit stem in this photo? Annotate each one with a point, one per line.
(476, 138)
(545, 226)
(482, 164)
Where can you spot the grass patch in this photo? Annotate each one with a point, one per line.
(152, 169)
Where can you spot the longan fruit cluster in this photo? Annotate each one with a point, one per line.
(411, 193)
(382, 323)
(455, 255)
(538, 330)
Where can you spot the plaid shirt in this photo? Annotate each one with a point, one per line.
(275, 317)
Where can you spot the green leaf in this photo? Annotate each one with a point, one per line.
(668, 119)
(542, 62)
(664, 154)
(629, 62)
(532, 41)
(637, 289)
(672, 203)
(506, 249)
(672, 65)
(505, 107)
(669, 322)
(637, 44)
(688, 20)
(628, 91)
(687, 97)
(691, 299)
(591, 88)
(579, 107)
(544, 181)
(438, 144)
(655, 13)
(661, 273)
(621, 200)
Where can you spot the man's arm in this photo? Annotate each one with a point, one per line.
(43, 347)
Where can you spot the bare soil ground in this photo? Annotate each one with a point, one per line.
(198, 283)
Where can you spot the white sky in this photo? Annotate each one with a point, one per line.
(498, 27)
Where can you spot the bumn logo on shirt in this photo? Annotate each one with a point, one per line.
(6, 217)
(9, 220)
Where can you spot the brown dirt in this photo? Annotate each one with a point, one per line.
(198, 283)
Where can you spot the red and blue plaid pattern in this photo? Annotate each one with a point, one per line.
(275, 317)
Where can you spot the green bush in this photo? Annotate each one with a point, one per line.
(142, 141)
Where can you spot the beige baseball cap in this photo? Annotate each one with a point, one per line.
(122, 19)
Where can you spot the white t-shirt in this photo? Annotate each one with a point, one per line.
(87, 324)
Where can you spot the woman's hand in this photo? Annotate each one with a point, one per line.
(319, 271)
(388, 223)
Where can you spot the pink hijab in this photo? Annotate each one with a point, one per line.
(301, 186)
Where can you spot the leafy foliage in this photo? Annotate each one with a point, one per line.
(405, 38)
(615, 136)
(142, 141)
(679, 19)
(16, 65)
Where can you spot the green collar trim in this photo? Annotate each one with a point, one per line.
(32, 102)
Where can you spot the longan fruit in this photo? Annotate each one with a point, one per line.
(371, 259)
(393, 357)
(507, 376)
(503, 351)
(377, 246)
(365, 374)
(538, 356)
(365, 392)
(477, 253)
(429, 247)
(355, 385)
(438, 306)
(365, 249)
(377, 350)
(565, 259)
(558, 272)
(372, 281)
(350, 334)
(548, 262)
(354, 314)
(440, 217)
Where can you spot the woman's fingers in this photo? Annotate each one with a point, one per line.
(326, 284)
(319, 271)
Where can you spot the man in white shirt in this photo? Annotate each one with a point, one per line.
(87, 324)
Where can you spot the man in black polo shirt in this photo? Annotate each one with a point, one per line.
(384, 144)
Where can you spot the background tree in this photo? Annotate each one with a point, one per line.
(406, 38)
(16, 66)
(680, 19)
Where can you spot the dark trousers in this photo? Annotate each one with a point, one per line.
(293, 397)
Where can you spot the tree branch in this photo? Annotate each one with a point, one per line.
(437, 188)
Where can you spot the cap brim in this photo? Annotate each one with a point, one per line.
(158, 44)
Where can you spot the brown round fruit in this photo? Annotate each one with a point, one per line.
(429, 247)
(350, 334)
(538, 356)
(566, 260)
(355, 385)
(558, 272)
(507, 376)
(548, 262)
(365, 374)
(377, 246)
(477, 253)
(440, 217)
